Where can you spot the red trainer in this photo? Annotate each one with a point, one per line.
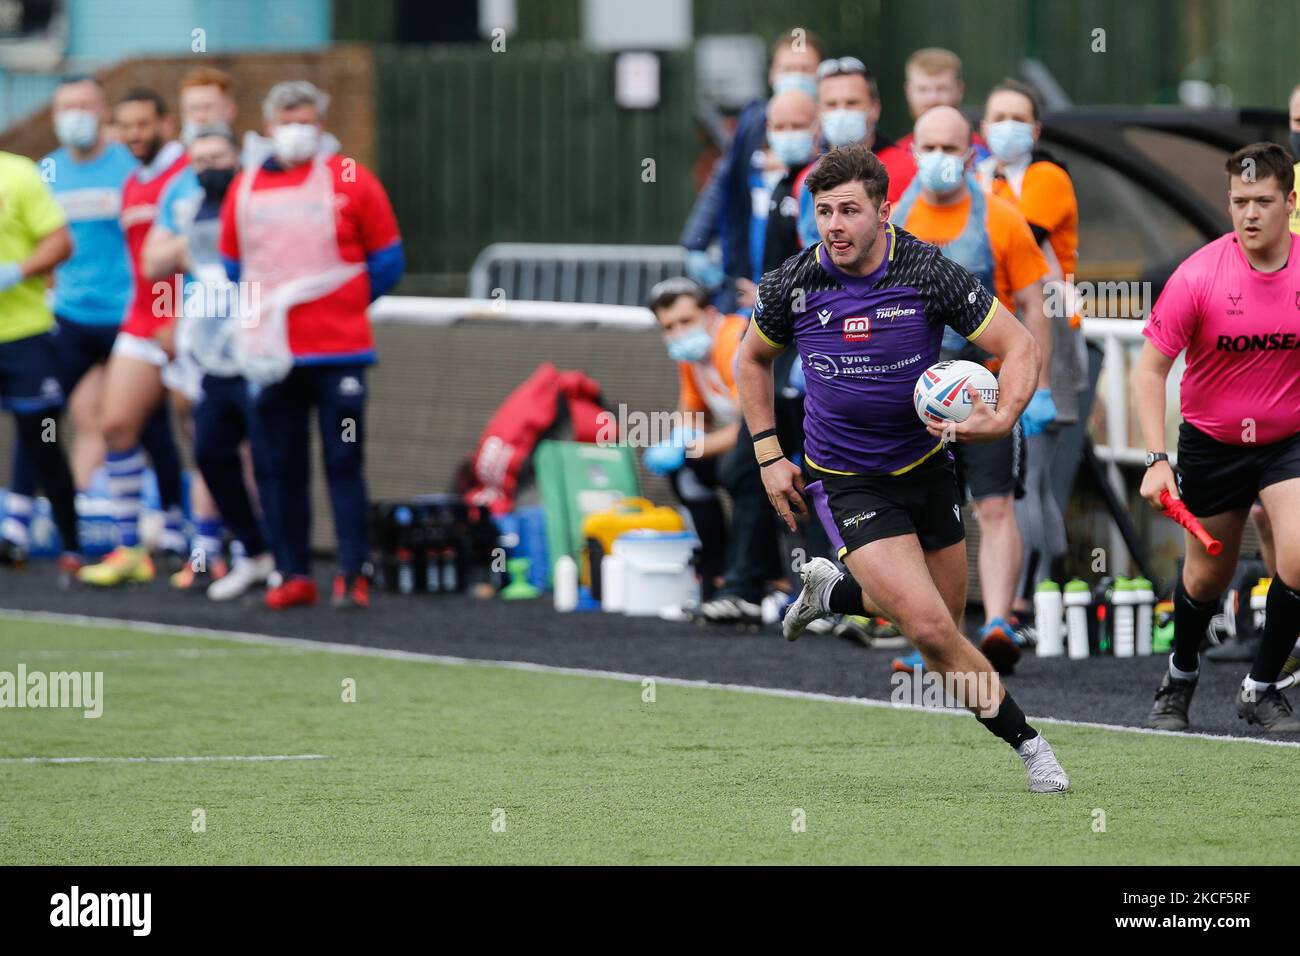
(358, 595)
(296, 591)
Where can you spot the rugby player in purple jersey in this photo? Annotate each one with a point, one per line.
(866, 308)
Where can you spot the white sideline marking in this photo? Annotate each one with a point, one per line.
(152, 627)
(251, 758)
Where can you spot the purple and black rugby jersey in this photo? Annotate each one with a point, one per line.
(864, 341)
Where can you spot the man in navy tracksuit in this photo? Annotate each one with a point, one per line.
(314, 232)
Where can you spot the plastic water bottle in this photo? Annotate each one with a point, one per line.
(566, 583)
(1048, 617)
(1125, 600)
(613, 583)
(1146, 605)
(1076, 598)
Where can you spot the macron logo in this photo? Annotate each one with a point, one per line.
(103, 909)
(825, 316)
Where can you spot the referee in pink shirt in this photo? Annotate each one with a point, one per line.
(1234, 305)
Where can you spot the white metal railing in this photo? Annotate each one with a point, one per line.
(1119, 339)
(422, 310)
(573, 272)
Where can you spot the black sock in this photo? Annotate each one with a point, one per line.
(846, 597)
(1281, 625)
(53, 474)
(1191, 620)
(1009, 723)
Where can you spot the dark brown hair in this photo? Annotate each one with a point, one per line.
(1010, 85)
(665, 293)
(1263, 160)
(853, 163)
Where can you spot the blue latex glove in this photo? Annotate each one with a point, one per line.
(11, 273)
(701, 267)
(666, 457)
(1039, 413)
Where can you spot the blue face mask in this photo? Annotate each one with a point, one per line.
(793, 147)
(1011, 140)
(1295, 144)
(803, 82)
(76, 128)
(693, 345)
(842, 127)
(940, 172)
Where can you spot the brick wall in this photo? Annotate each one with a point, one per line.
(345, 72)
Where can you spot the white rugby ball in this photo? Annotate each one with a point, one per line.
(940, 392)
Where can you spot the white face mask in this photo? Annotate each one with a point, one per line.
(295, 143)
(78, 129)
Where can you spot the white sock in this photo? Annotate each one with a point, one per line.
(1182, 675)
(1256, 687)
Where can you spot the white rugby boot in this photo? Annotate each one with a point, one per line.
(818, 576)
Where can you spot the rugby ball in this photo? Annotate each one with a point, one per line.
(940, 392)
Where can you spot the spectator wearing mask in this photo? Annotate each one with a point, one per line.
(724, 208)
(792, 133)
(736, 564)
(91, 289)
(1020, 172)
(207, 101)
(184, 240)
(315, 233)
(931, 77)
(989, 238)
(848, 101)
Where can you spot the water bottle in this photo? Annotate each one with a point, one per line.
(1076, 599)
(613, 584)
(1125, 601)
(1048, 616)
(566, 583)
(1146, 605)
(450, 570)
(405, 571)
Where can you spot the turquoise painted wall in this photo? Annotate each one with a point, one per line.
(102, 31)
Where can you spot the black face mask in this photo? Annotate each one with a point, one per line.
(1295, 144)
(215, 182)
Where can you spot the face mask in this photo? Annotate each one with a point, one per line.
(295, 142)
(803, 82)
(215, 182)
(693, 345)
(842, 127)
(1295, 144)
(78, 129)
(1011, 140)
(793, 147)
(940, 172)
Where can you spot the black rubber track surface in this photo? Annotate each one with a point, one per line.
(1105, 690)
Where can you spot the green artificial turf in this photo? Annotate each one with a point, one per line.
(574, 769)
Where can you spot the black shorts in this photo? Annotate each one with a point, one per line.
(79, 346)
(29, 375)
(858, 509)
(1214, 477)
(988, 469)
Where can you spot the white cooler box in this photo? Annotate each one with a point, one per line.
(657, 570)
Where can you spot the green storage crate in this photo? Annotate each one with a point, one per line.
(576, 479)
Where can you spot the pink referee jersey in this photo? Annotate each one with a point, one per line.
(1241, 329)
